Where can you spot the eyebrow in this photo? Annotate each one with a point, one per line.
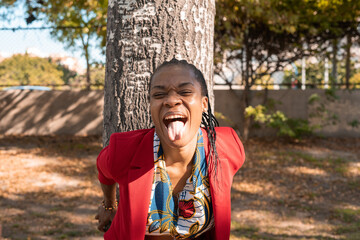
(179, 86)
(185, 83)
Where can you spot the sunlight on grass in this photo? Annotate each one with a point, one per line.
(336, 165)
(347, 215)
(297, 192)
(296, 156)
(248, 187)
(354, 170)
(307, 171)
(242, 232)
(350, 226)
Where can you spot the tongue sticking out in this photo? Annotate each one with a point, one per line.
(175, 130)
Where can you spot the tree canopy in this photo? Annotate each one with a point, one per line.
(262, 36)
(252, 37)
(28, 70)
(77, 24)
(73, 21)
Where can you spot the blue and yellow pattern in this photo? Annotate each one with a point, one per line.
(190, 213)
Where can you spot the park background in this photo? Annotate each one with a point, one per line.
(294, 104)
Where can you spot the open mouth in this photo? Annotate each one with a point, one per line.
(173, 118)
(175, 125)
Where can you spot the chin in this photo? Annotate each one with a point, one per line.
(179, 143)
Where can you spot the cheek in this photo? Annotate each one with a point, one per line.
(154, 111)
(196, 111)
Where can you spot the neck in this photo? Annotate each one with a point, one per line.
(180, 156)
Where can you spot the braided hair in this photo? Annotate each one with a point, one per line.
(208, 121)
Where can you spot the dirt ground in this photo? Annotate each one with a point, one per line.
(308, 189)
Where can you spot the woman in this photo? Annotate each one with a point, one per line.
(174, 180)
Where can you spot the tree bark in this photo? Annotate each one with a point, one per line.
(246, 97)
(88, 79)
(334, 63)
(348, 67)
(85, 44)
(141, 34)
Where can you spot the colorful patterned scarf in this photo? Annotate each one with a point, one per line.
(189, 214)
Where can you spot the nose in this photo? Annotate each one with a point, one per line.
(172, 100)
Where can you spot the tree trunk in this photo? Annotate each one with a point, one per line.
(334, 63)
(245, 131)
(347, 67)
(85, 44)
(88, 79)
(141, 34)
(248, 78)
(246, 97)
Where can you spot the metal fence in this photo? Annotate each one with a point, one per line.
(39, 43)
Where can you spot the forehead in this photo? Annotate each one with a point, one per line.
(173, 75)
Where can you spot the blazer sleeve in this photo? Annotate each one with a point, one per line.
(239, 156)
(102, 163)
(230, 147)
(114, 160)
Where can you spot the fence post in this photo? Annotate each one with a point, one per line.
(303, 74)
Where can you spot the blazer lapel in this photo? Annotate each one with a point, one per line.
(140, 180)
(222, 228)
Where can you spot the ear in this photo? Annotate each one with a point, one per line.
(204, 102)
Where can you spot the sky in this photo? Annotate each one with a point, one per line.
(38, 42)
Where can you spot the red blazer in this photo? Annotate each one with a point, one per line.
(129, 161)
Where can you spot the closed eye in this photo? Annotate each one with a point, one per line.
(185, 92)
(158, 95)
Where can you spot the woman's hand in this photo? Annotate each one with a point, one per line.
(105, 217)
(107, 210)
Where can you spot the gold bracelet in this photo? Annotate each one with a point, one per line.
(109, 208)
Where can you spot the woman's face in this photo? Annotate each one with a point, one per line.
(176, 105)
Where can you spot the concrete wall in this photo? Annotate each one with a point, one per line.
(80, 112)
(345, 108)
(51, 112)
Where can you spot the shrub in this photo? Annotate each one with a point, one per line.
(289, 127)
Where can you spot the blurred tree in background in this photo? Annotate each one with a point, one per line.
(28, 70)
(355, 79)
(253, 38)
(7, 3)
(68, 75)
(77, 24)
(31, 70)
(97, 76)
(257, 38)
(315, 74)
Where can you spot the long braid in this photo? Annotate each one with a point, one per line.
(209, 121)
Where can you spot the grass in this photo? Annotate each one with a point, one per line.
(350, 222)
(75, 234)
(38, 215)
(321, 181)
(355, 185)
(53, 231)
(347, 215)
(297, 197)
(244, 231)
(71, 234)
(336, 165)
(351, 230)
(16, 225)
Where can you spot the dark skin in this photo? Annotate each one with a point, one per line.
(105, 216)
(173, 91)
